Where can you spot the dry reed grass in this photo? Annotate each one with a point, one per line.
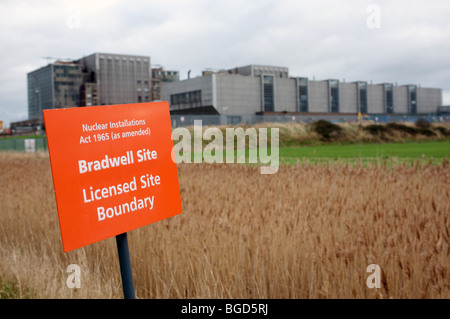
(309, 231)
(294, 133)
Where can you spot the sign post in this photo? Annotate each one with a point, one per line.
(125, 266)
(112, 172)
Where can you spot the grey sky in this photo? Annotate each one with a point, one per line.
(408, 42)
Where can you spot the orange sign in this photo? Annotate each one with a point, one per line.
(112, 169)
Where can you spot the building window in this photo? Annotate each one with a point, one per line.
(334, 96)
(362, 86)
(268, 93)
(186, 98)
(389, 98)
(303, 95)
(412, 99)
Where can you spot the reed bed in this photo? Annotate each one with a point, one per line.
(308, 231)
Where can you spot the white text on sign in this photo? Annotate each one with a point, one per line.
(108, 162)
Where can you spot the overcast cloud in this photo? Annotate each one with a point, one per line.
(407, 43)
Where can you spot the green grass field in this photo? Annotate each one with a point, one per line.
(401, 152)
(390, 153)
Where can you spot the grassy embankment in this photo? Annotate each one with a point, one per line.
(367, 143)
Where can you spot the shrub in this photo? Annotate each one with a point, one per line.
(422, 123)
(443, 130)
(402, 128)
(426, 132)
(376, 129)
(326, 129)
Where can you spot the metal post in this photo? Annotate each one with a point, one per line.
(125, 266)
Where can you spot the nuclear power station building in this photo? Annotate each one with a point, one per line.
(97, 79)
(105, 78)
(262, 89)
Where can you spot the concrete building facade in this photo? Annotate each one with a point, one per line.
(159, 75)
(105, 78)
(256, 89)
(117, 78)
(56, 85)
(97, 79)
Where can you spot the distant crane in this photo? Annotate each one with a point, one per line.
(49, 58)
